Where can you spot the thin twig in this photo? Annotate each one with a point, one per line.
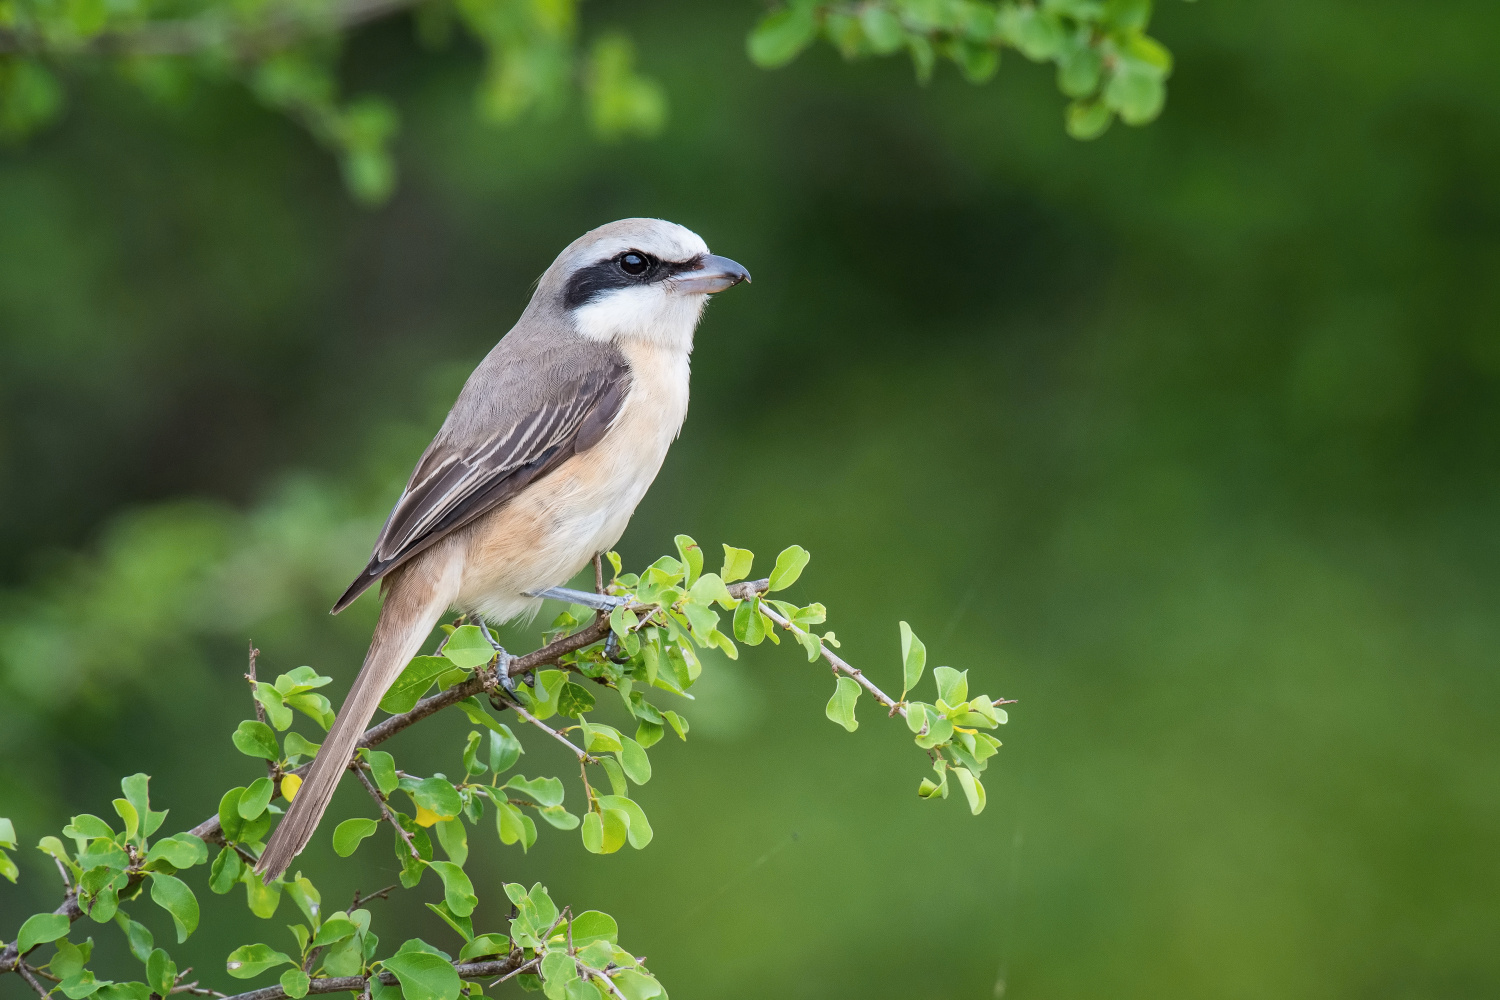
(26, 974)
(837, 662)
(357, 984)
(606, 981)
(378, 894)
(583, 758)
(62, 870)
(385, 810)
(518, 970)
(209, 830)
(260, 710)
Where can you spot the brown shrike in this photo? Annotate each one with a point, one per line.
(552, 442)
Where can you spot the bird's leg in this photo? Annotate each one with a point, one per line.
(502, 658)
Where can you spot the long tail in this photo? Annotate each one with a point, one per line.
(415, 599)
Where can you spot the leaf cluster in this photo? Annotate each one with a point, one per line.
(1105, 60)
(609, 687)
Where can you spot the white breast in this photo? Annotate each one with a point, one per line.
(552, 529)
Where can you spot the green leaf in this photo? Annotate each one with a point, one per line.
(637, 985)
(973, 789)
(939, 730)
(348, 835)
(296, 745)
(883, 29)
(638, 829)
(70, 959)
(383, 770)
(458, 891)
(1088, 119)
(424, 976)
(80, 984)
(952, 685)
(648, 734)
(558, 969)
(40, 929)
(601, 739)
(253, 800)
(546, 791)
(84, 826)
(137, 936)
(225, 872)
(841, 706)
(573, 700)
(255, 739)
(634, 760)
(505, 750)
(913, 659)
(302, 892)
(558, 817)
(137, 793)
(295, 982)
(468, 648)
(414, 681)
(592, 925)
(692, 557)
(711, 589)
(180, 851)
(749, 625)
(314, 706)
(338, 927)
(737, 564)
(616, 775)
(781, 35)
(678, 723)
(130, 817)
(514, 826)
(438, 796)
(250, 960)
(1137, 93)
(484, 946)
(161, 972)
(173, 895)
(454, 837)
(275, 705)
(789, 566)
(262, 899)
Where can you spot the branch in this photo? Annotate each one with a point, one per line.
(481, 682)
(385, 810)
(356, 984)
(212, 30)
(839, 665)
(583, 758)
(26, 974)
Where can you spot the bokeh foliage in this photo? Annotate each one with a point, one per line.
(287, 53)
(1185, 433)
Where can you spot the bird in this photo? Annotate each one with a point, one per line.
(552, 443)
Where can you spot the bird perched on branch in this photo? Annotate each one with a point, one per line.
(552, 442)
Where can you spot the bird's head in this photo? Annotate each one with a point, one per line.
(644, 279)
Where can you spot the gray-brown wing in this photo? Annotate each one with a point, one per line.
(453, 485)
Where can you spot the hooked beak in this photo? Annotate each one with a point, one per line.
(713, 274)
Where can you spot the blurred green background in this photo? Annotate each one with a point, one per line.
(1185, 438)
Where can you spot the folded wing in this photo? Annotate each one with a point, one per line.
(456, 482)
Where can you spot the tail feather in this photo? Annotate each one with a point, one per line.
(406, 618)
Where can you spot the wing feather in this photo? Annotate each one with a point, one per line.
(452, 485)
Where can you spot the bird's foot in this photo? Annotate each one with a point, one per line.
(502, 660)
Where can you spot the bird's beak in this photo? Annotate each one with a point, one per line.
(714, 274)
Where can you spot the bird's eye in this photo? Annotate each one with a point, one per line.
(634, 264)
